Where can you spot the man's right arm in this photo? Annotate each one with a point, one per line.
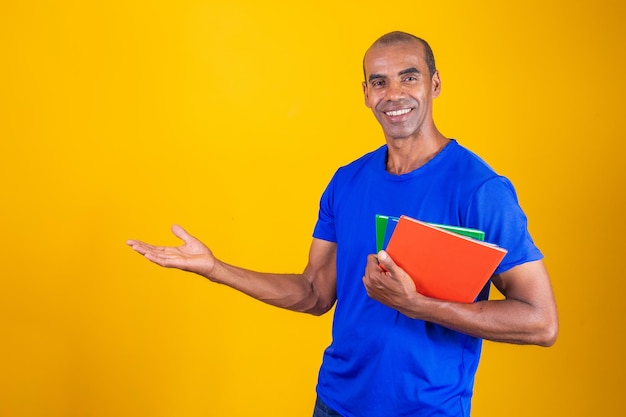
(313, 291)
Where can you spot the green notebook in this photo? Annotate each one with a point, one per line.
(385, 225)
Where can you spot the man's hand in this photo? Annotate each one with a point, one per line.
(391, 285)
(192, 256)
(527, 315)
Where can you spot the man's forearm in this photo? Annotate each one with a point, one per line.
(509, 321)
(289, 291)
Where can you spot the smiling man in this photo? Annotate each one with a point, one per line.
(394, 351)
(399, 87)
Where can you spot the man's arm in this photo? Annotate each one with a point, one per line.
(313, 291)
(527, 315)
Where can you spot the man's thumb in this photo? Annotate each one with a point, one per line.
(180, 233)
(385, 261)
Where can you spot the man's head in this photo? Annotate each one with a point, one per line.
(399, 37)
(400, 84)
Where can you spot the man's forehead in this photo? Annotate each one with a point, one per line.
(396, 57)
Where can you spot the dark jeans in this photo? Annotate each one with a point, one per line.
(322, 410)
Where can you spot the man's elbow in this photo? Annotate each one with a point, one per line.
(320, 302)
(547, 334)
(320, 308)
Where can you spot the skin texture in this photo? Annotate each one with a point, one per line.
(399, 90)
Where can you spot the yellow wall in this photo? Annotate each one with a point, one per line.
(120, 118)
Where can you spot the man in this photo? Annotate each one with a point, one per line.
(396, 352)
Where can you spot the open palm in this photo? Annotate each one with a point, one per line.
(192, 255)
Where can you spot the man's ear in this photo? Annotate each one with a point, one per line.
(436, 84)
(365, 95)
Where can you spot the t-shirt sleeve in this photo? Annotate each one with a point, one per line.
(496, 210)
(325, 226)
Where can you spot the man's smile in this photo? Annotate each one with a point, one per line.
(399, 112)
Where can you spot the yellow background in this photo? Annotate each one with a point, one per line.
(120, 118)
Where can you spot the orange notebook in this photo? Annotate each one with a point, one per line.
(443, 264)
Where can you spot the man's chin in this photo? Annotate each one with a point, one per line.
(396, 134)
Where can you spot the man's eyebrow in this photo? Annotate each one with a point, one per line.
(373, 77)
(411, 70)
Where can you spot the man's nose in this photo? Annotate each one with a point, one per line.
(395, 91)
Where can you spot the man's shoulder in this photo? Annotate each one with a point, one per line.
(368, 157)
(471, 162)
(366, 161)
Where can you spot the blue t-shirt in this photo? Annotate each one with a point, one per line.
(381, 363)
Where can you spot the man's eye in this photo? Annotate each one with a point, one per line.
(378, 83)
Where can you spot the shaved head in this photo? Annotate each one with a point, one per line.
(393, 38)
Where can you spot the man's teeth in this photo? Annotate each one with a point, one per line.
(397, 112)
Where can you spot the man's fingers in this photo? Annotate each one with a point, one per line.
(157, 258)
(137, 246)
(181, 233)
(143, 248)
(163, 256)
(386, 262)
(168, 256)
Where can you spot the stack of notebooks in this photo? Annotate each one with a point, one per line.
(445, 262)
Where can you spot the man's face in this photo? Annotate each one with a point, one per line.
(398, 88)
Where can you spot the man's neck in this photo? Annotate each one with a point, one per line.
(408, 154)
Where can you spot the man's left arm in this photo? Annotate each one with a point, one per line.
(527, 315)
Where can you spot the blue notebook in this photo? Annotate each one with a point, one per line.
(385, 225)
